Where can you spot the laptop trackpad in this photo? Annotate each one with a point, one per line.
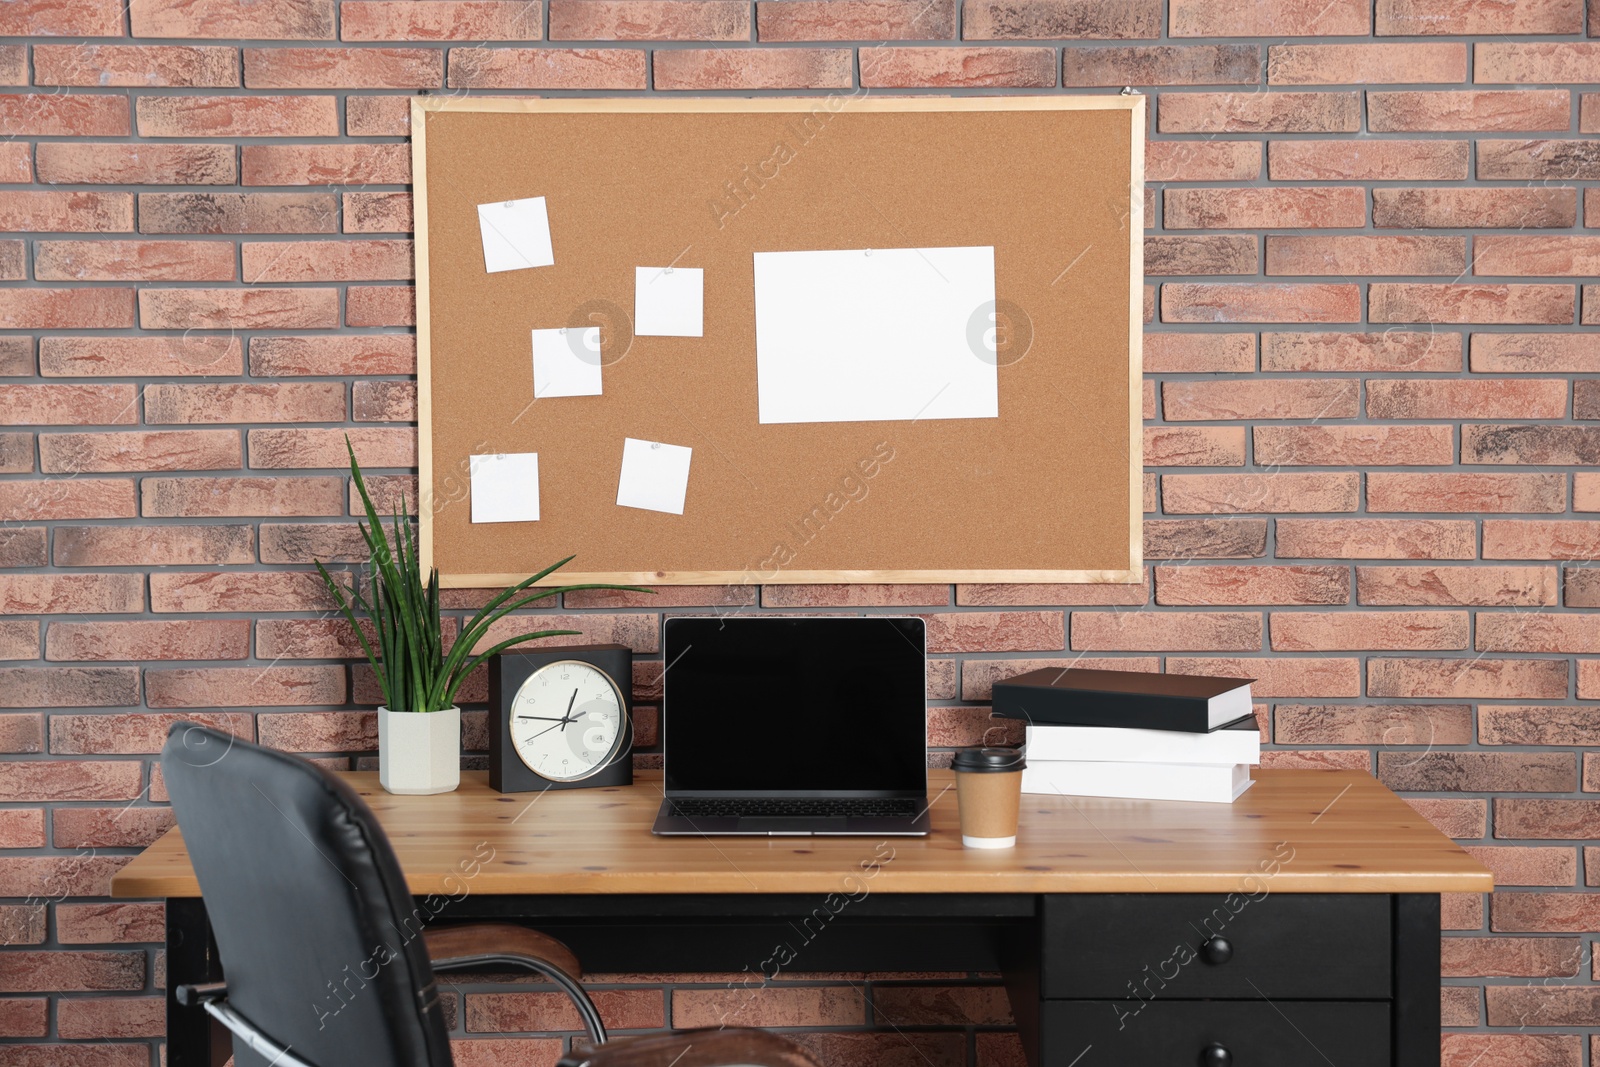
(812, 824)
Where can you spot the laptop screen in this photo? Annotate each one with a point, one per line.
(779, 705)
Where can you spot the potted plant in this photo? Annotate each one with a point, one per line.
(419, 724)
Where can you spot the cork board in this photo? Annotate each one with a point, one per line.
(1047, 492)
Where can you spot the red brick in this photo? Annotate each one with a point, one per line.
(1199, 64)
(77, 453)
(1218, 585)
(36, 972)
(23, 1016)
(1260, 302)
(1358, 255)
(1405, 18)
(82, 211)
(1399, 350)
(1246, 112)
(333, 164)
(79, 163)
(1585, 491)
(1466, 492)
(1541, 539)
(1368, 160)
(19, 639)
(1409, 111)
(1582, 588)
(1462, 911)
(1508, 1050)
(1390, 64)
(1281, 446)
(550, 68)
(380, 305)
(1565, 445)
(1536, 254)
(209, 687)
(1120, 594)
(1547, 772)
(237, 116)
(1437, 586)
(119, 827)
(343, 68)
(1315, 631)
(377, 212)
(1202, 161)
(245, 402)
(1536, 1005)
(1194, 446)
(1473, 208)
(138, 641)
(1190, 353)
(386, 116)
(238, 212)
(504, 1052)
(1220, 253)
(496, 1013)
(993, 20)
(22, 828)
(269, 20)
(1328, 398)
(441, 20)
(248, 309)
(705, 68)
(1280, 676)
(164, 545)
(62, 876)
(815, 20)
(1492, 398)
(206, 497)
(14, 64)
(1177, 631)
(34, 500)
(1591, 305)
(356, 355)
(1495, 679)
(73, 779)
(1511, 957)
(1482, 302)
(16, 453)
(63, 115)
(374, 447)
(104, 65)
(1270, 18)
(769, 1006)
(28, 405)
(997, 631)
(979, 675)
(311, 261)
(1513, 912)
(61, 18)
(81, 357)
(1536, 724)
(891, 67)
(16, 162)
(233, 591)
(1460, 819)
(1539, 160)
(320, 731)
(795, 596)
(305, 542)
(1507, 62)
(1232, 494)
(1374, 724)
(111, 1017)
(383, 402)
(110, 261)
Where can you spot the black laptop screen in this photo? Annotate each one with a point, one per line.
(773, 705)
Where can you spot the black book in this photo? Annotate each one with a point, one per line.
(1073, 697)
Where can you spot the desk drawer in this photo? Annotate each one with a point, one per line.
(1179, 1033)
(1172, 946)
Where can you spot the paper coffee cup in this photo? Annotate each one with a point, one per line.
(988, 792)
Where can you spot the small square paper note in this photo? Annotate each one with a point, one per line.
(668, 301)
(566, 362)
(505, 487)
(516, 235)
(655, 476)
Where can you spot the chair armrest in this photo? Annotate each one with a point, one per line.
(449, 944)
(691, 1048)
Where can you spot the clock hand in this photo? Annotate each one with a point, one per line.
(568, 718)
(543, 718)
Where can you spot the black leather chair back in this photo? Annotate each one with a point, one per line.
(320, 943)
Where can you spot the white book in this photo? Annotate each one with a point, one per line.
(1207, 783)
(1103, 743)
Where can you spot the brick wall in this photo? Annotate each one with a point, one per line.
(1371, 466)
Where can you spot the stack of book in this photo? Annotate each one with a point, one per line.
(1134, 735)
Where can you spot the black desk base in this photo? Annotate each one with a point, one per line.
(1095, 980)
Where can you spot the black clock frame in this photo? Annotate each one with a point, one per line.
(507, 672)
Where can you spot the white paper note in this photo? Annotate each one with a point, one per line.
(655, 476)
(668, 301)
(505, 487)
(566, 362)
(516, 235)
(876, 334)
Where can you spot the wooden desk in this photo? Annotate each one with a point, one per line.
(1107, 919)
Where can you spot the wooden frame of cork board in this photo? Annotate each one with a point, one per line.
(1050, 491)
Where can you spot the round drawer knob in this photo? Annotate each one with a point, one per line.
(1217, 950)
(1216, 1055)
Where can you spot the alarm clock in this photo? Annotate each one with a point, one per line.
(561, 718)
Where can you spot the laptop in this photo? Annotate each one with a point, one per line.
(794, 726)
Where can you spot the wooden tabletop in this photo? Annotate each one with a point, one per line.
(1295, 831)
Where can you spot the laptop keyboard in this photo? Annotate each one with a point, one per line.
(794, 807)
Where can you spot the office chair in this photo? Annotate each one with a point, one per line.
(326, 956)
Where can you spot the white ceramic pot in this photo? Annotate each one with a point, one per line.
(419, 752)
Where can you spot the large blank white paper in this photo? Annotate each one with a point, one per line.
(516, 235)
(566, 362)
(876, 334)
(655, 476)
(668, 301)
(505, 487)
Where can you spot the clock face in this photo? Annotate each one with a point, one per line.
(566, 720)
